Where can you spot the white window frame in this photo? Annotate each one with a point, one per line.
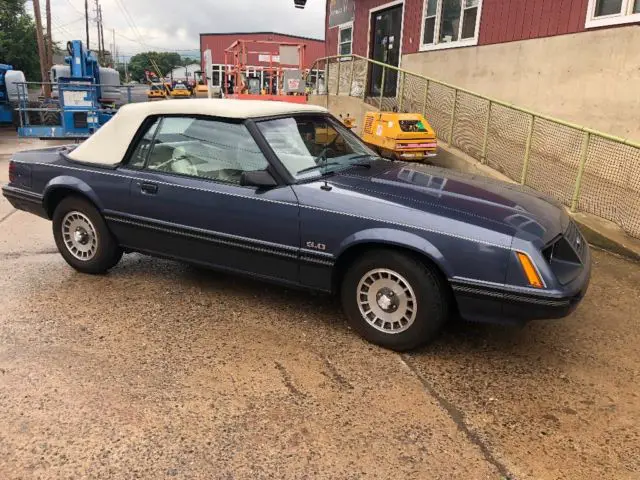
(216, 68)
(341, 27)
(425, 47)
(625, 15)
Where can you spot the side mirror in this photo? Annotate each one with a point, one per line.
(257, 178)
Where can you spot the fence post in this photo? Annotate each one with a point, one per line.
(384, 71)
(21, 104)
(426, 98)
(317, 84)
(365, 85)
(453, 116)
(338, 77)
(326, 80)
(527, 151)
(353, 64)
(485, 141)
(583, 160)
(401, 95)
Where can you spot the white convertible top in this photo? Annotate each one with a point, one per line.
(110, 143)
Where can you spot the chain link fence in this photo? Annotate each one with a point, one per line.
(586, 170)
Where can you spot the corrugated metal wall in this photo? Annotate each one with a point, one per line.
(501, 21)
(510, 20)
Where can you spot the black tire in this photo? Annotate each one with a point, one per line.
(106, 252)
(431, 299)
(50, 117)
(33, 117)
(15, 118)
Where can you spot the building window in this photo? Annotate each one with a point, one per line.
(612, 12)
(450, 23)
(217, 72)
(345, 39)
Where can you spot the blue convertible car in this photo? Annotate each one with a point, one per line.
(285, 193)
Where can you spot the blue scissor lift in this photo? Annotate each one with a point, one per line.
(78, 110)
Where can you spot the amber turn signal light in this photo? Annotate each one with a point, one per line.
(529, 270)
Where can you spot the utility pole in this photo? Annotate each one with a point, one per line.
(102, 35)
(49, 35)
(114, 53)
(98, 21)
(41, 49)
(86, 21)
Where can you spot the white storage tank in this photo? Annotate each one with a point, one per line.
(108, 77)
(57, 71)
(11, 79)
(110, 81)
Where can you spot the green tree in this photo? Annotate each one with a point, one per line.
(18, 45)
(144, 61)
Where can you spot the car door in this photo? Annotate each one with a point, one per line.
(186, 202)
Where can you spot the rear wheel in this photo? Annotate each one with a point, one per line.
(83, 238)
(393, 300)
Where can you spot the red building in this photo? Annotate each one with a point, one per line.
(425, 25)
(219, 42)
(559, 57)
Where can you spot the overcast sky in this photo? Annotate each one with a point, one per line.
(176, 24)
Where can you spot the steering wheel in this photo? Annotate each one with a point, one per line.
(320, 157)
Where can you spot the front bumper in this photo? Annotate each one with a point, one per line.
(504, 305)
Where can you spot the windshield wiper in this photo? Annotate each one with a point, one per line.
(363, 155)
(322, 165)
(354, 164)
(360, 164)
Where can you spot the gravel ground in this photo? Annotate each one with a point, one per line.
(161, 370)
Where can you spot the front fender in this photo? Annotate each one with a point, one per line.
(66, 182)
(399, 238)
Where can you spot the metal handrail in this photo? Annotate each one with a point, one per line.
(494, 101)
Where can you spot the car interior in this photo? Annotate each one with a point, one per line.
(205, 149)
(300, 143)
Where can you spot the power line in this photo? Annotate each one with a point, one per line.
(61, 28)
(75, 8)
(135, 27)
(157, 48)
(57, 25)
(129, 19)
(79, 19)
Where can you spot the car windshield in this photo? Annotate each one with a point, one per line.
(310, 146)
(180, 87)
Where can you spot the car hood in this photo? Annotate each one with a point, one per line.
(508, 208)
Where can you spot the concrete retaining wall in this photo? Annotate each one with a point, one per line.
(590, 78)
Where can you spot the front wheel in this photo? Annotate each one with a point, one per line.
(82, 237)
(393, 300)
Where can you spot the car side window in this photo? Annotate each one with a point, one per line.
(210, 149)
(142, 149)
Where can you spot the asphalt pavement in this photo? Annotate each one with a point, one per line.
(163, 370)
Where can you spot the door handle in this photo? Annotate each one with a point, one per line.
(149, 188)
